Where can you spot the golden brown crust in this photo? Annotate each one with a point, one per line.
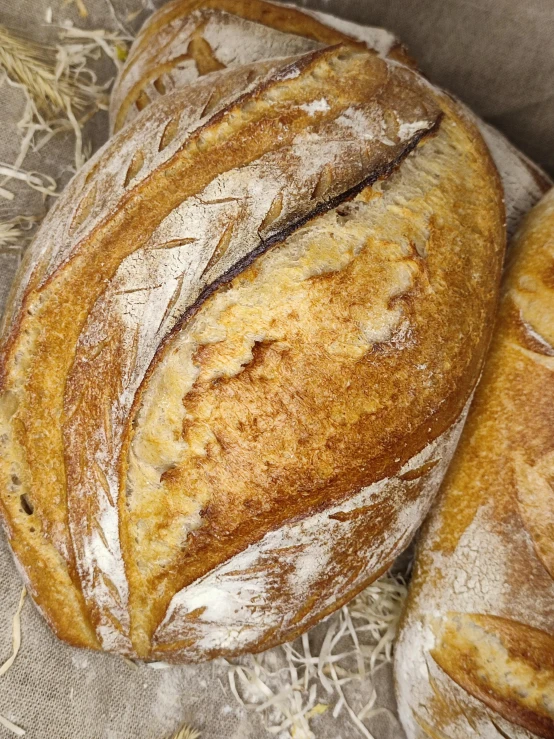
(487, 551)
(503, 663)
(333, 435)
(44, 534)
(172, 217)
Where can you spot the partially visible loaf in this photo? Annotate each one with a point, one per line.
(188, 39)
(237, 359)
(475, 653)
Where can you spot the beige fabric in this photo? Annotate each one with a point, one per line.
(498, 56)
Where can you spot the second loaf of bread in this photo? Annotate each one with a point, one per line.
(475, 655)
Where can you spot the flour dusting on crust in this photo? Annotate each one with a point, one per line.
(238, 602)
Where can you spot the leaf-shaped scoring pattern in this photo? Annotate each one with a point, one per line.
(103, 339)
(230, 188)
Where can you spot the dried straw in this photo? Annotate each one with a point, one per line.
(16, 644)
(186, 732)
(80, 5)
(34, 66)
(61, 90)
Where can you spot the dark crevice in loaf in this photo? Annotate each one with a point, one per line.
(382, 172)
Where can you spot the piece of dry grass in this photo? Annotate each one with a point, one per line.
(61, 89)
(16, 635)
(88, 42)
(80, 5)
(294, 683)
(16, 233)
(10, 236)
(10, 726)
(186, 732)
(16, 644)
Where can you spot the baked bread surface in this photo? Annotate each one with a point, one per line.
(475, 654)
(187, 39)
(237, 357)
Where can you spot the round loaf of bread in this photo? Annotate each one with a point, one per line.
(238, 355)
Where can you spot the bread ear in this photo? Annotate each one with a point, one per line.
(185, 40)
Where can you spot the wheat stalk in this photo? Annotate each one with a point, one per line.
(34, 66)
(57, 84)
(186, 732)
(11, 238)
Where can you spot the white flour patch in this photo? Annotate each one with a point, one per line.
(375, 38)
(316, 106)
(354, 119)
(407, 130)
(236, 41)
